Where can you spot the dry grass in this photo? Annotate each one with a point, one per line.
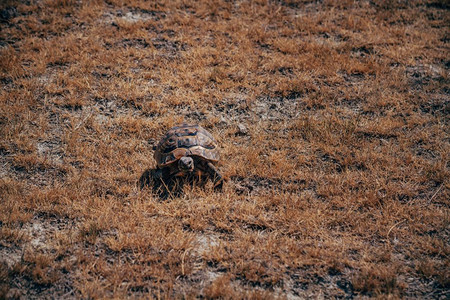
(338, 186)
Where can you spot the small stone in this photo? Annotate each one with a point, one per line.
(223, 120)
(242, 129)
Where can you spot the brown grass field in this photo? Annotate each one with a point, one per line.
(333, 124)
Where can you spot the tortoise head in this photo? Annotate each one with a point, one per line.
(186, 164)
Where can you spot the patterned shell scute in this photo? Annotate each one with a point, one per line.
(184, 140)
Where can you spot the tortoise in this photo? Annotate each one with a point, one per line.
(186, 151)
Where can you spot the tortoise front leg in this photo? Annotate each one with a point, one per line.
(215, 175)
(151, 177)
(146, 178)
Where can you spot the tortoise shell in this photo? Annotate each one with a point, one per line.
(186, 140)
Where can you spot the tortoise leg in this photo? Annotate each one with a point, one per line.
(157, 174)
(164, 183)
(151, 177)
(215, 175)
(145, 178)
(160, 180)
